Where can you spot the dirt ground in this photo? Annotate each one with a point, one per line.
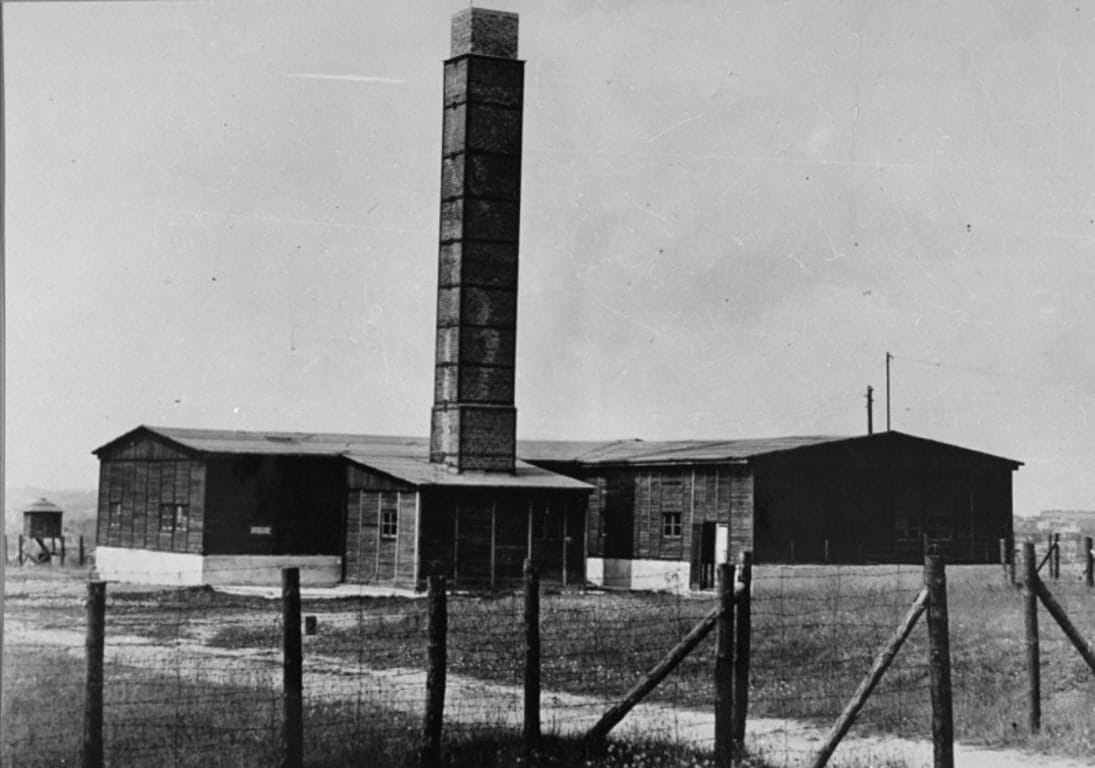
(468, 700)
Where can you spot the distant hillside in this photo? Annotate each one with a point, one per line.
(1079, 521)
(79, 508)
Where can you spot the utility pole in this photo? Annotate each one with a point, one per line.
(870, 410)
(889, 357)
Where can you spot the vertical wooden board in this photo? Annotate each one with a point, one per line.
(141, 504)
(474, 541)
(103, 503)
(741, 515)
(182, 482)
(155, 482)
(129, 495)
(724, 495)
(511, 541)
(196, 519)
(351, 528)
(407, 539)
(113, 534)
(370, 535)
(643, 509)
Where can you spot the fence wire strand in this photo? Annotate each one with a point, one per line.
(193, 675)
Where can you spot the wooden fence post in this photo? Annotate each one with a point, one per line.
(1004, 557)
(935, 579)
(93, 706)
(742, 646)
(1056, 557)
(83, 554)
(1089, 562)
(292, 670)
(435, 674)
(1030, 614)
(724, 669)
(532, 661)
(19, 551)
(62, 551)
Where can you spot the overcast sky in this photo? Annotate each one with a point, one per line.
(225, 214)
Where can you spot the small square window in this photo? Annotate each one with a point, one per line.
(389, 523)
(671, 524)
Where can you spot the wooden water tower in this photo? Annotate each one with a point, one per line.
(42, 522)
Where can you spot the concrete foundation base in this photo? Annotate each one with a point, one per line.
(146, 566)
(652, 575)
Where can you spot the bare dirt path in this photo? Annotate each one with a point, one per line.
(473, 701)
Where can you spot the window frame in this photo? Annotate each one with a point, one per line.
(389, 523)
(672, 521)
(173, 517)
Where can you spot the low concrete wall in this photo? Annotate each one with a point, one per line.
(651, 575)
(147, 566)
(260, 570)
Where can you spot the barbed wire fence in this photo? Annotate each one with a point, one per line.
(196, 676)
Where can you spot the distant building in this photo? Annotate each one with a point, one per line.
(43, 520)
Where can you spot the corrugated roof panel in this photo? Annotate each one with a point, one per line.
(407, 453)
(420, 471)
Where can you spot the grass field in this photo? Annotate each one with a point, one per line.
(815, 632)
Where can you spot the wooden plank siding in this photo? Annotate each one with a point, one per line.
(140, 490)
(697, 493)
(479, 538)
(369, 557)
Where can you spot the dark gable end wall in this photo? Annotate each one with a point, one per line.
(873, 502)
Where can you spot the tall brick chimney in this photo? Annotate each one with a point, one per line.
(474, 420)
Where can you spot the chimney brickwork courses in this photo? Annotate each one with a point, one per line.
(474, 420)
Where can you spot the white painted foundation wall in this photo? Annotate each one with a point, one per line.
(147, 566)
(652, 575)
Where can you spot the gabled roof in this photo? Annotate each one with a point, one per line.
(404, 458)
(407, 458)
(43, 505)
(661, 451)
(664, 452)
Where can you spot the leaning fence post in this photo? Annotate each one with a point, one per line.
(435, 674)
(724, 669)
(935, 579)
(742, 635)
(532, 660)
(93, 706)
(292, 669)
(1089, 562)
(1030, 614)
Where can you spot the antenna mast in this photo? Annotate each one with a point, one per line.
(889, 357)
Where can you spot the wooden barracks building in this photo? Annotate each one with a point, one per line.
(215, 506)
